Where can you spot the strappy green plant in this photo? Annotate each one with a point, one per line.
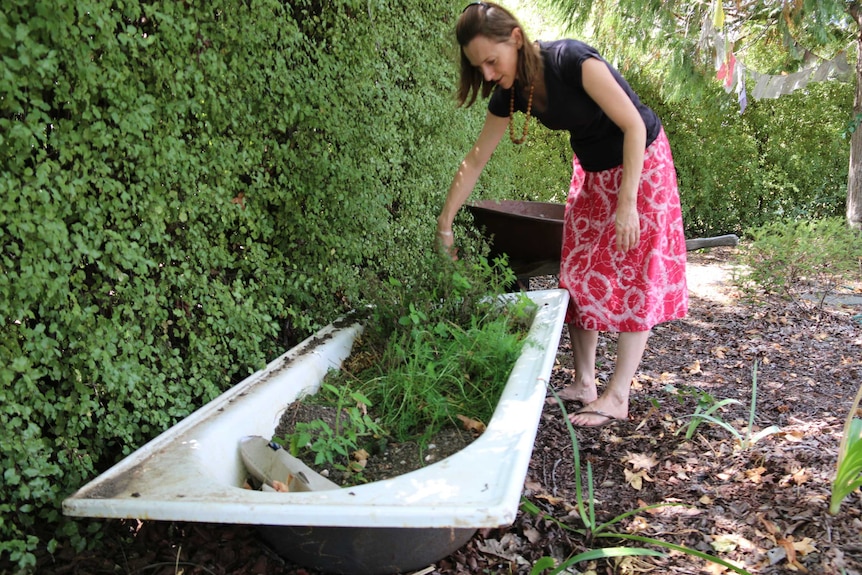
(594, 530)
(848, 471)
(706, 410)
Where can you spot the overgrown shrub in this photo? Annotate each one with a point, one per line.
(795, 258)
(783, 158)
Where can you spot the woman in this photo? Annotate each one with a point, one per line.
(623, 252)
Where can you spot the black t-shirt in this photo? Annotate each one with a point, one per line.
(595, 139)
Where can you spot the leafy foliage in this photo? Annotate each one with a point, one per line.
(780, 156)
(784, 158)
(776, 36)
(188, 190)
(333, 444)
(435, 347)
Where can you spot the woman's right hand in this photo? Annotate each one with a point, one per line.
(446, 243)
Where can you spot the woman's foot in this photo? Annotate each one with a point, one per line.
(601, 412)
(581, 392)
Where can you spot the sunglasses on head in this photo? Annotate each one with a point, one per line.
(480, 4)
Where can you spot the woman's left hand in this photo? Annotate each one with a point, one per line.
(628, 228)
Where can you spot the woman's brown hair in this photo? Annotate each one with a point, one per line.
(495, 23)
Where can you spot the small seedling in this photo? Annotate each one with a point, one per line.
(706, 409)
(333, 445)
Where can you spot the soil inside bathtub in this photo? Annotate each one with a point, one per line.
(385, 459)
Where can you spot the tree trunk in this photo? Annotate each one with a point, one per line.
(854, 179)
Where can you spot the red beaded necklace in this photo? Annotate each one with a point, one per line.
(523, 137)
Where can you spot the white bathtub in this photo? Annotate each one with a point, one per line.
(193, 471)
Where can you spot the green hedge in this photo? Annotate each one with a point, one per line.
(781, 159)
(189, 189)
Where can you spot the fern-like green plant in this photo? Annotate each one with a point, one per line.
(800, 258)
(848, 472)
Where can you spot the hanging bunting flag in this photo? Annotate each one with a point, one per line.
(718, 15)
(740, 90)
(732, 74)
(720, 51)
(727, 72)
(773, 86)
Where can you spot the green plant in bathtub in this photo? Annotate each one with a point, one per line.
(437, 347)
(334, 444)
(440, 370)
(439, 344)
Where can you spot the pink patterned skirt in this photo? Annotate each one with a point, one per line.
(624, 291)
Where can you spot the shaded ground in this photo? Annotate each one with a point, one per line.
(757, 506)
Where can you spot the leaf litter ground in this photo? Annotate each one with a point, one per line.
(763, 507)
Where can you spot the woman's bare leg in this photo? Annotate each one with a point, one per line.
(584, 345)
(614, 401)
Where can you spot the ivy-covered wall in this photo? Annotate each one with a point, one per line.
(190, 188)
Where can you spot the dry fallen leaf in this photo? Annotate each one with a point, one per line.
(805, 546)
(280, 487)
(550, 498)
(693, 369)
(790, 550)
(636, 479)
(473, 425)
(532, 535)
(724, 543)
(771, 528)
(801, 476)
(754, 475)
(360, 455)
(794, 435)
(640, 460)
